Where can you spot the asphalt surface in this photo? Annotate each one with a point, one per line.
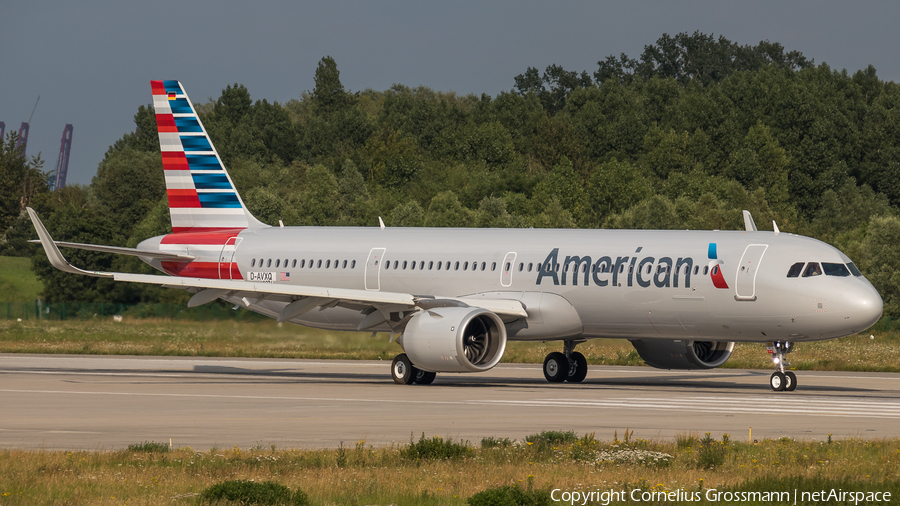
(108, 402)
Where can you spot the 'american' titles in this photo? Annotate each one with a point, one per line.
(624, 269)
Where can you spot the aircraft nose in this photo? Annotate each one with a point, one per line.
(865, 305)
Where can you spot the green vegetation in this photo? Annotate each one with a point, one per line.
(17, 281)
(265, 338)
(686, 135)
(511, 495)
(551, 437)
(149, 447)
(485, 475)
(436, 448)
(249, 492)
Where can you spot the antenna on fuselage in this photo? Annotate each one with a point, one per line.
(749, 224)
(775, 226)
(381, 223)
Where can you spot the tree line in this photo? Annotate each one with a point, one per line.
(685, 136)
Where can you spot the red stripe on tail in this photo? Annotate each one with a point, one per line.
(183, 198)
(158, 87)
(166, 123)
(174, 160)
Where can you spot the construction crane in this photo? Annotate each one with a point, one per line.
(23, 130)
(62, 165)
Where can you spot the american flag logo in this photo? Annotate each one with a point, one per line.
(284, 276)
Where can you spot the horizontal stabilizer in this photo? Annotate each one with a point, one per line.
(123, 251)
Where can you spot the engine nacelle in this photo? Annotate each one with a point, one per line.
(683, 354)
(454, 339)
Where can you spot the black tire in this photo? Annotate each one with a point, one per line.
(402, 370)
(424, 377)
(556, 367)
(791, 381)
(578, 370)
(778, 381)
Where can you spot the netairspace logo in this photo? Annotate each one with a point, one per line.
(607, 497)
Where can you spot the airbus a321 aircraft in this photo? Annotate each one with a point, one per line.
(455, 296)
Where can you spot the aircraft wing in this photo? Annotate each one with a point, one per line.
(301, 298)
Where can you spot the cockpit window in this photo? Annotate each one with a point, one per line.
(853, 269)
(796, 269)
(812, 269)
(835, 269)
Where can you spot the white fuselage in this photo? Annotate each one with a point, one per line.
(632, 284)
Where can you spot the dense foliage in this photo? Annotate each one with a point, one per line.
(686, 136)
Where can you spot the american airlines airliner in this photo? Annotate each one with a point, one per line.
(454, 297)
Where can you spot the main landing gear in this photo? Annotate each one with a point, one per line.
(568, 366)
(405, 373)
(781, 380)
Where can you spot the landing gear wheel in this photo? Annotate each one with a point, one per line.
(424, 377)
(778, 381)
(556, 367)
(791, 382)
(402, 370)
(578, 369)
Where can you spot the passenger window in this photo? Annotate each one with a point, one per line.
(336, 263)
(457, 266)
(795, 270)
(854, 270)
(812, 269)
(494, 266)
(311, 263)
(285, 263)
(277, 263)
(345, 264)
(327, 264)
(294, 263)
(507, 266)
(696, 269)
(253, 263)
(412, 266)
(430, 265)
(269, 263)
(319, 264)
(706, 270)
(465, 265)
(353, 264)
(835, 269)
(422, 265)
(529, 266)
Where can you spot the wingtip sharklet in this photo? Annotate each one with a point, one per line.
(55, 257)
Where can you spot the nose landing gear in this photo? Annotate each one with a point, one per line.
(781, 380)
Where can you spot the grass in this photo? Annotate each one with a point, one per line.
(268, 339)
(18, 282)
(369, 475)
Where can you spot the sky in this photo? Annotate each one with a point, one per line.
(91, 61)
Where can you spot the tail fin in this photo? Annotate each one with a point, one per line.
(202, 197)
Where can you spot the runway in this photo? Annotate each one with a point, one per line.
(108, 402)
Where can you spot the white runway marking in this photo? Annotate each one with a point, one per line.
(844, 408)
(767, 405)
